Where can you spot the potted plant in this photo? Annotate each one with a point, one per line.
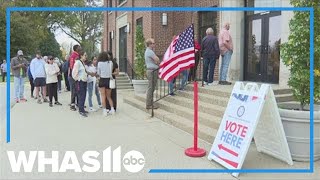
(295, 54)
(140, 83)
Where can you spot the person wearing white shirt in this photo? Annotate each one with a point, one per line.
(105, 67)
(37, 68)
(91, 84)
(52, 71)
(80, 75)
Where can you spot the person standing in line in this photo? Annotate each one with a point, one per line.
(193, 70)
(74, 56)
(115, 72)
(31, 81)
(210, 53)
(52, 71)
(226, 49)
(37, 68)
(105, 73)
(91, 83)
(59, 75)
(3, 68)
(152, 63)
(79, 74)
(65, 68)
(19, 69)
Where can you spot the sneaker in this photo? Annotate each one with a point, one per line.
(91, 109)
(59, 91)
(23, 100)
(205, 83)
(50, 104)
(39, 101)
(172, 94)
(112, 111)
(45, 100)
(73, 108)
(85, 111)
(57, 103)
(100, 106)
(83, 114)
(105, 112)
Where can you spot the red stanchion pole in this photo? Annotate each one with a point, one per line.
(195, 151)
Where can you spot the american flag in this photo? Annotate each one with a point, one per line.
(179, 55)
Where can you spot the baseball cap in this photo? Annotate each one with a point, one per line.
(20, 53)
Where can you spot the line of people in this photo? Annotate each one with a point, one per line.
(86, 76)
(83, 76)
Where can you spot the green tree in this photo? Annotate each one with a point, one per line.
(50, 46)
(139, 64)
(295, 53)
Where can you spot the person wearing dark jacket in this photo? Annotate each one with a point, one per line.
(210, 53)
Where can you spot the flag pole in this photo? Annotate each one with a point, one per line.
(195, 151)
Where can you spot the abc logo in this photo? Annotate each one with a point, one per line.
(133, 161)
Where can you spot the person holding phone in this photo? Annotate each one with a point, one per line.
(19, 69)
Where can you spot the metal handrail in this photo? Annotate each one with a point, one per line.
(162, 87)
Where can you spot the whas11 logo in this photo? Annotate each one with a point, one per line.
(133, 161)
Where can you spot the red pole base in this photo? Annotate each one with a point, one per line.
(192, 153)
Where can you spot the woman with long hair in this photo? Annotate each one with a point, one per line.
(115, 71)
(104, 71)
(91, 68)
(79, 74)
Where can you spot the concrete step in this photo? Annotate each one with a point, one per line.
(124, 87)
(212, 98)
(123, 84)
(204, 107)
(209, 91)
(204, 118)
(205, 133)
(284, 98)
(123, 81)
(282, 91)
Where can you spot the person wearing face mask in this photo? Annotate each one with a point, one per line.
(19, 69)
(52, 71)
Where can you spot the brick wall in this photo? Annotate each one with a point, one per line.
(152, 24)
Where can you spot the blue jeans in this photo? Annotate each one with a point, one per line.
(90, 92)
(184, 79)
(171, 85)
(209, 64)
(19, 87)
(81, 87)
(226, 58)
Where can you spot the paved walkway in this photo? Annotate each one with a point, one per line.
(42, 128)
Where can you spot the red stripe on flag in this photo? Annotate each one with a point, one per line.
(182, 65)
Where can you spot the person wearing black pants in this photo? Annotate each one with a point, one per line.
(66, 81)
(52, 70)
(31, 80)
(81, 87)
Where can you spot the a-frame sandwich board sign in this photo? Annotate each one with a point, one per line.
(252, 111)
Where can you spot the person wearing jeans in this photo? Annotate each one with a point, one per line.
(91, 85)
(210, 52)
(226, 49)
(19, 69)
(79, 74)
(184, 79)
(171, 87)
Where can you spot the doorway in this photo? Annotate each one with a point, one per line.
(262, 54)
(123, 49)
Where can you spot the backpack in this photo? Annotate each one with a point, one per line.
(65, 67)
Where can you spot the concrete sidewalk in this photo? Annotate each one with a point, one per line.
(42, 128)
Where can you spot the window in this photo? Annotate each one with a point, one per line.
(207, 19)
(139, 22)
(121, 1)
(110, 3)
(110, 41)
